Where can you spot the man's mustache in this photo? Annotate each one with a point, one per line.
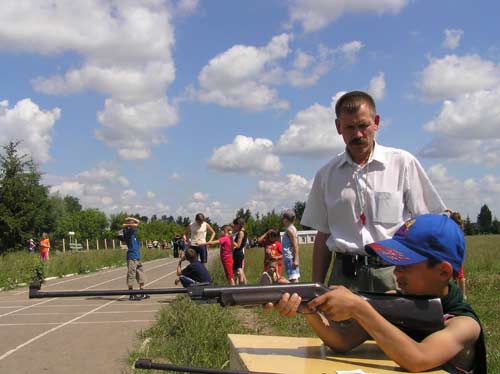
(359, 141)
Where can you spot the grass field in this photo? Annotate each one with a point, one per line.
(184, 324)
(17, 267)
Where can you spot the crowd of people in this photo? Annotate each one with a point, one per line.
(232, 240)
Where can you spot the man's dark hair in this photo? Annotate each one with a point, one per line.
(352, 101)
(191, 255)
(240, 221)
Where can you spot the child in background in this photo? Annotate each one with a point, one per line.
(290, 247)
(194, 273)
(272, 256)
(44, 247)
(239, 244)
(226, 252)
(134, 265)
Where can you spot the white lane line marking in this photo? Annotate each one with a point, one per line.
(74, 323)
(8, 353)
(84, 289)
(132, 303)
(76, 277)
(109, 312)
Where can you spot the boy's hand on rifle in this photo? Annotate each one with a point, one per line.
(339, 304)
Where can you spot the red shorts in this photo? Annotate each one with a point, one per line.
(227, 263)
(44, 256)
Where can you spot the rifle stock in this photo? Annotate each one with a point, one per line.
(409, 313)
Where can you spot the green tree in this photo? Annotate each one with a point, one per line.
(72, 204)
(116, 221)
(469, 227)
(495, 226)
(299, 208)
(484, 220)
(24, 203)
(92, 223)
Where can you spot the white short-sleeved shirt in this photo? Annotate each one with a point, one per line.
(394, 186)
(198, 233)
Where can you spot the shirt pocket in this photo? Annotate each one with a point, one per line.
(388, 207)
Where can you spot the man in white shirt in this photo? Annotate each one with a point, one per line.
(361, 196)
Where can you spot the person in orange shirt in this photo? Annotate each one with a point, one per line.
(44, 247)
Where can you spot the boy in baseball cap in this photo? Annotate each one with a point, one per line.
(426, 251)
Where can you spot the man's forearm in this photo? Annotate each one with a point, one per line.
(321, 257)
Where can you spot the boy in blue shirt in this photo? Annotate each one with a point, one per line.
(134, 265)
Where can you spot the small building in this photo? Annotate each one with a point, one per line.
(304, 236)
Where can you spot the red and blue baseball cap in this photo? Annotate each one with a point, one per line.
(423, 237)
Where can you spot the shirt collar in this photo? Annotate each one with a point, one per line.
(378, 155)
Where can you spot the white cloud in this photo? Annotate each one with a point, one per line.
(311, 134)
(279, 195)
(217, 211)
(376, 88)
(452, 76)
(126, 56)
(186, 6)
(237, 77)
(128, 194)
(103, 174)
(246, 155)
(466, 196)
(463, 151)
(452, 38)
(308, 69)
(150, 195)
(351, 50)
(95, 187)
(200, 196)
(470, 116)
(27, 122)
(175, 177)
(313, 15)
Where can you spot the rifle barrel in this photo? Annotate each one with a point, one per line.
(35, 293)
(143, 363)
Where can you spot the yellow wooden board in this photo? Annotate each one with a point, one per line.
(279, 354)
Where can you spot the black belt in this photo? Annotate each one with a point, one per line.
(374, 261)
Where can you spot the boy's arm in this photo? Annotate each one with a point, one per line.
(262, 237)
(179, 269)
(212, 242)
(435, 350)
(295, 245)
(341, 338)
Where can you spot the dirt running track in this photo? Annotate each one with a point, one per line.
(78, 335)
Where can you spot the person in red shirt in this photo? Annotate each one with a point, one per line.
(226, 252)
(273, 253)
(44, 247)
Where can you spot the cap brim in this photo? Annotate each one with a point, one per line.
(394, 253)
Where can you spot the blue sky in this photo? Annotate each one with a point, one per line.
(175, 107)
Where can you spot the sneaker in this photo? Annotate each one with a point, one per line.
(133, 297)
(143, 296)
(265, 278)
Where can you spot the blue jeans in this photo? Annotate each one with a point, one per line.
(186, 281)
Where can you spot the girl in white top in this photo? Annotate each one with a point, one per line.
(198, 231)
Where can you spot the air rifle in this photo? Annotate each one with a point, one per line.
(409, 313)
